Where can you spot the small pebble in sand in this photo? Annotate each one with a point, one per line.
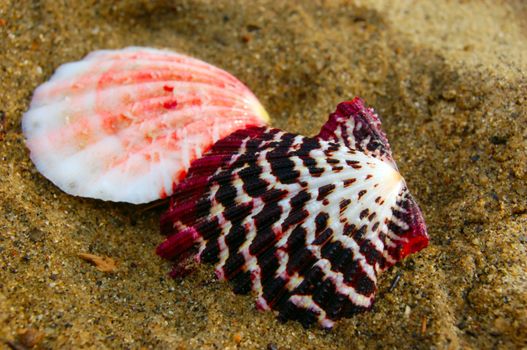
(237, 337)
(26, 338)
(423, 325)
(272, 346)
(395, 281)
(35, 235)
(407, 311)
(103, 264)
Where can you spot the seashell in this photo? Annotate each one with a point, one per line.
(125, 125)
(306, 223)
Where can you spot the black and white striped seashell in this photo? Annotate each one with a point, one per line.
(306, 223)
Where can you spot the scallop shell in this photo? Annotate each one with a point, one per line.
(306, 223)
(125, 125)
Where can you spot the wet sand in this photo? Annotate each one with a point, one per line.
(449, 81)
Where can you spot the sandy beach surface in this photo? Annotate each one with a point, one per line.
(447, 77)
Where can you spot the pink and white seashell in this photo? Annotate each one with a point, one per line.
(125, 125)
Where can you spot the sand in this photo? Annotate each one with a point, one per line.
(449, 80)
